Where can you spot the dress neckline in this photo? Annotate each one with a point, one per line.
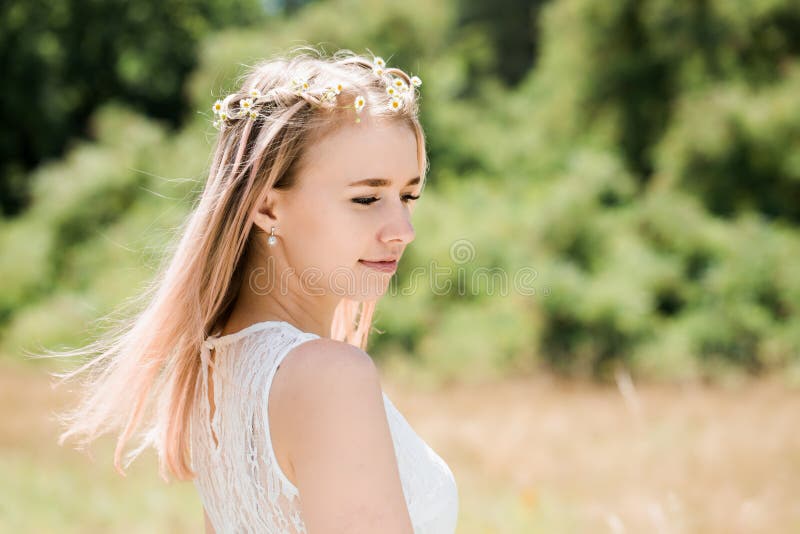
(216, 340)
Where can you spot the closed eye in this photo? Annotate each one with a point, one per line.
(370, 200)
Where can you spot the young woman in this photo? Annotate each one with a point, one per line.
(246, 369)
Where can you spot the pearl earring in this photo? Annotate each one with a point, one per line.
(272, 240)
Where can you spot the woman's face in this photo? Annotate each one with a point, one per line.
(352, 204)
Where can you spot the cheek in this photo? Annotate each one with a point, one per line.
(326, 234)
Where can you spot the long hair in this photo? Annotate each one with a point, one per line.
(139, 376)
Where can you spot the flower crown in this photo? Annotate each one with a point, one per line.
(396, 88)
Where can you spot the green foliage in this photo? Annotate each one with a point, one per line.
(621, 66)
(512, 29)
(736, 148)
(61, 60)
(632, 202)
(77, 253)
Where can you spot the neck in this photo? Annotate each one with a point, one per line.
(282, 301)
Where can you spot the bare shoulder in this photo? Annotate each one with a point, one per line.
(315, 370)
(322, 360)
(310, 376)
(338, 440)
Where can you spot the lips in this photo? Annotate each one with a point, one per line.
(386, 266)
(384, 260)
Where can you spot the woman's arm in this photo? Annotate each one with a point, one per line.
(339, 440)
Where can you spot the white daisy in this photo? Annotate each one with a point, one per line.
(359, 103)
(217, 107)
(396, 103)
(379, 62)
(299, 85)
(416, 81)
(246, 104)
(329, 95)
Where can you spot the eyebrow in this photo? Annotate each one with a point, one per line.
(381, 182)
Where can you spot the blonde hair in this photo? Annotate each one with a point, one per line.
(141, 374)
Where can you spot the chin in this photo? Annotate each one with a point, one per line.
(371, 292)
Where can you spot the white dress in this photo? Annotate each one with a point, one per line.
(240, 483)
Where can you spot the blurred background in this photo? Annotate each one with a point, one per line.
(614, 198)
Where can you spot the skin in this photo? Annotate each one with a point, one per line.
(321, 230)
(328, 392)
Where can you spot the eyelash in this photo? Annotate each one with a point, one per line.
(369, 200)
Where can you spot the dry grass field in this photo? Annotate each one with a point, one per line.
(529, 455)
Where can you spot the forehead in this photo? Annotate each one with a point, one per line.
(368, 149)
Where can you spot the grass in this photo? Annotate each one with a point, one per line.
(530, 455)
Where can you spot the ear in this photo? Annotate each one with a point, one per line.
(265, 217)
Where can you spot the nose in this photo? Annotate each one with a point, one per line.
(398, 228)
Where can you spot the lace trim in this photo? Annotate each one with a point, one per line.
(240, 482)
